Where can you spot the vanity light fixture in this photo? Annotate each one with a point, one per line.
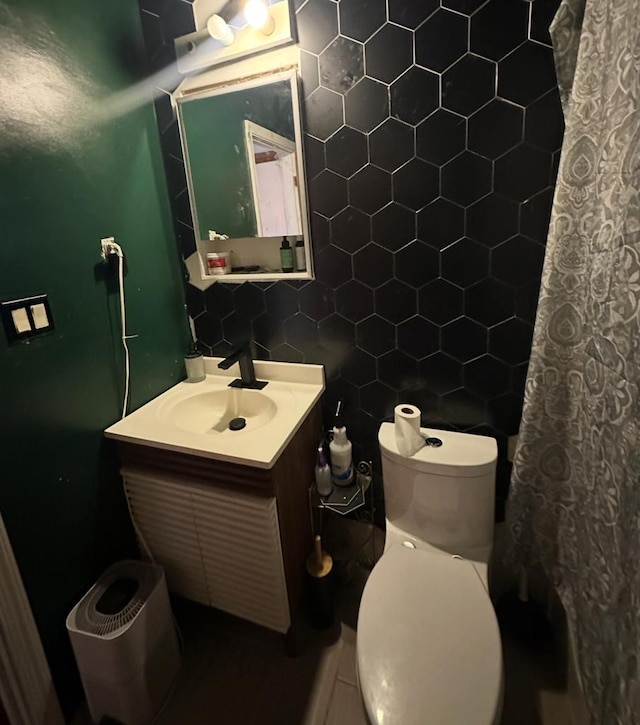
(258, 16)
(219, 30)
(256, 26)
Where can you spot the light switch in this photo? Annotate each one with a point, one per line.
(26, 317)
(21, 320)
(40, 317)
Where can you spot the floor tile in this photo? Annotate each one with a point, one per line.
(346, 706)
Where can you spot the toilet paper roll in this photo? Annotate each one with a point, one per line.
(407, 427)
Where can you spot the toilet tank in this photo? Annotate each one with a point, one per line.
(443, 495)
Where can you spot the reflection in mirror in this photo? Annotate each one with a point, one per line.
(242, 148)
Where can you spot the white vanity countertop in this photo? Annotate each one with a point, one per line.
(183, 418)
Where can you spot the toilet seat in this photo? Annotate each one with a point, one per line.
(428, 644)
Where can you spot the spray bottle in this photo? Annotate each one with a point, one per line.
(341, 452)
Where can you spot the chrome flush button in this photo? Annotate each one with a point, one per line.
(433, 442)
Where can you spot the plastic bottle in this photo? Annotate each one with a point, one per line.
(301, 262)
(340, 449)
(323, 474)
(194, 365)
(286, 256)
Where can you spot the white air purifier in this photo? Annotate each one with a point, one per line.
(125, 643)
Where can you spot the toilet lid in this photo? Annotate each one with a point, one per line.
(428, 644)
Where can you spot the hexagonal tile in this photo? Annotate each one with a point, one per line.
(492, 220)
(316, 300)
(218, 299)
(286, 353)
(533, 62)
(417, 264)
(341, 64)
(314, 156)
(268, 331)
(541, 16)
(466, 178)
(236, 329)
(414, 95)
(389, 53)
(544, 123)
(398, 370)
(391, 144)
(527, 301)
(359, 368)
(346, 151)
(416, 184)
(370, 189)
(281, 300)
(317, 23)
(466, 7)
(351, 229)
(489, 302)
(195, 300)
(354, 301)
(440, 223)
(208, 329)
(333, 266)
(468, 84)
(418, 337)
(464, 339)
(411, 14)
(360, 20)
(378, 400)
(440, 301)
(375, 335)
(517, 261)
(309, 73)
(320, 230)
(337, 335)
(510, 341)
(301, 332)
(328, 193)
(395, 301)
(496, 128)
(535, 214)
(441, 373)
(462, 408)
(393, 227)
(441, 137)
(522, 172)
(499, 27)
(366, 105)
(441, 40)
(323, 113)
(465, 262)
(248, 300)
(372, 265)
(505, 413)
(487, 377)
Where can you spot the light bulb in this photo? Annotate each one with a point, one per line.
(257, 14)
(219, 30)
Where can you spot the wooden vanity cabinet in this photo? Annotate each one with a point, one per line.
(230, 536)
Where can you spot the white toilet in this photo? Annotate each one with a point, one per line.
(428, 644)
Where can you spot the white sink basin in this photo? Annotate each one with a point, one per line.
(209, 412)
(194, 417)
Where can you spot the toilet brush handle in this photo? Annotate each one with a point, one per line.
(317, 543)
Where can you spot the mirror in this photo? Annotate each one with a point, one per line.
(242, 149)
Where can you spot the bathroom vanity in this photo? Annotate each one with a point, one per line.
(225, 512)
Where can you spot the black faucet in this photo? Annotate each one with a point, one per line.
(247, 377)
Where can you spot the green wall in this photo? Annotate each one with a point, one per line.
(214, 128)
(69, 176)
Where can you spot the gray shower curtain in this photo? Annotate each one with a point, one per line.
(574, 504)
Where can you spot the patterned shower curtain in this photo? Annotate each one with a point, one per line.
(574, 505)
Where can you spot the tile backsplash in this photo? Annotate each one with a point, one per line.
(432, 137)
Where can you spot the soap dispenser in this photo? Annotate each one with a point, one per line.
(194, 364)
(286, 256)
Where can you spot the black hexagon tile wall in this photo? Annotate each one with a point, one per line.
(432, 136)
